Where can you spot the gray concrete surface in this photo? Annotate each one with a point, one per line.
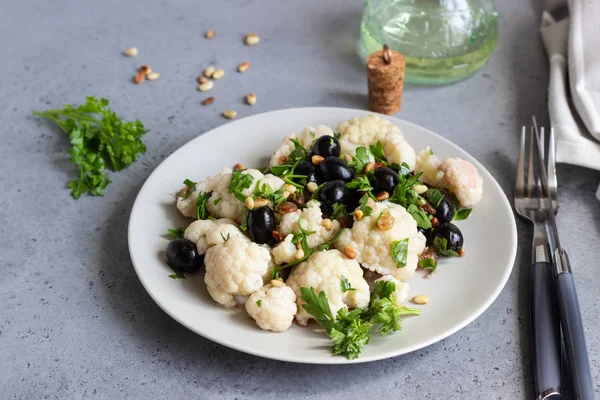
(75, 322)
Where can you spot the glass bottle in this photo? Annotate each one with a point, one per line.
(443, 41)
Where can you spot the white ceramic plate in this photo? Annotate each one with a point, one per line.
(461, 290)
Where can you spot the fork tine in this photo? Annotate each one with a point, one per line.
(520, 180)
(530, 171)
(552, 183)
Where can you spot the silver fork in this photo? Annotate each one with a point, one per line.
(532, 205)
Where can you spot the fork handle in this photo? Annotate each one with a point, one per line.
(545, 333)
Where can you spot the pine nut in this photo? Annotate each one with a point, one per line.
(209, 71)
(243, 67)
(382, 196)
(202, 79)
(208, 101)
(277, 283)
(206, 86)
(420, 189)
(299, 254)
(317, 159)
(145, 69)
(218, 74)
(420, 299)
(349, 252)
(153, 76)
(260, 202)
(140, 77)
(210, 34)
(131, 52)
(249, 203)
(385, 223)
(312, 187)
(251, 99)
(289, 188)
(230, 114)
(358, 215)
(238, 167)
(369, 167)
(285, 194)
(326, 224)
(347, 157)
(252, 39)
(461, 252)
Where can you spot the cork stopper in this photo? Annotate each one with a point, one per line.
(385, 79)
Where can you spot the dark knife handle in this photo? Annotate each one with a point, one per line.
(545, 332)
(572, 327)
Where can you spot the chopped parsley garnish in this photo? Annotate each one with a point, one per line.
(265, 191)
(455, 201)
(350, 331)
(225, 238)
(259, 302)
(240, 182)
(378, 153)
(244, 224)
(404, 193)
(376, 221)
(339, 210)
(310, 252)
(440, 245)
(275, 274)
(420, 216)
(399, 251)
(315, 194)
(191, 186)
(177, 273)
(346, 286)
(360, 183)
(459, 215)
(201, 210)
(99, 140)
(336, 135)
(217, 201)
(434, 196)
(429, 264)
(360, 160)
(363, 205)
(176, 233)
(302, 236)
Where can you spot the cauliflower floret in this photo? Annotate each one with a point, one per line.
(429, 164)
(401, 293)
(284, 252)
(186, 200)
(197, 232)
(223, 230)
(273, 181)
(236, 267)
(323, 271)
(373, 246)
(312, 221)
(306, 138)
(273, 308)
(370, 129)
(462, 179)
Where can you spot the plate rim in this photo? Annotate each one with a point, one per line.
(501, 284)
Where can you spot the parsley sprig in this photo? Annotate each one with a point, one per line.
(309, 252)
(240, 182)
(351, 330)
(98, 139)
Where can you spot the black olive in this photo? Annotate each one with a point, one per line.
(312, 178)
(450, 232)
(444, 212)
(332, 192)
(353, 200)
(334, 168)
(426, 233)
(387, 180)
(261, 224)
(327, 146)
(183, 255)
(304, 167)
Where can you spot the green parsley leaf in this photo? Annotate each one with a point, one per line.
(191, 186)
(98, 137)
(404, 193)
(430, 151)
(430, 264)
(178, 274)
(225, 239)
(339, 210)
(363, 205)
(376, 221)
(384, 289)
(302, 236)
(259, 302)
(176, 233)
(275, 274)
(377, 151)
(315, 194)
(459, 215)
(217, 201)
(352, 334)
(399, 252)
(420, 216)
(434, 196)
(239, 182)
(280, 170)
(384, 311)
(346, 286)
(310, 252)
(336, 135)
(265, 191)
(317, 305)
(440, 245)
(244, 224)
(202, 212)
(299, 153)
(455, 201)
(404, 169)
(360, 183)
(360, 160)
